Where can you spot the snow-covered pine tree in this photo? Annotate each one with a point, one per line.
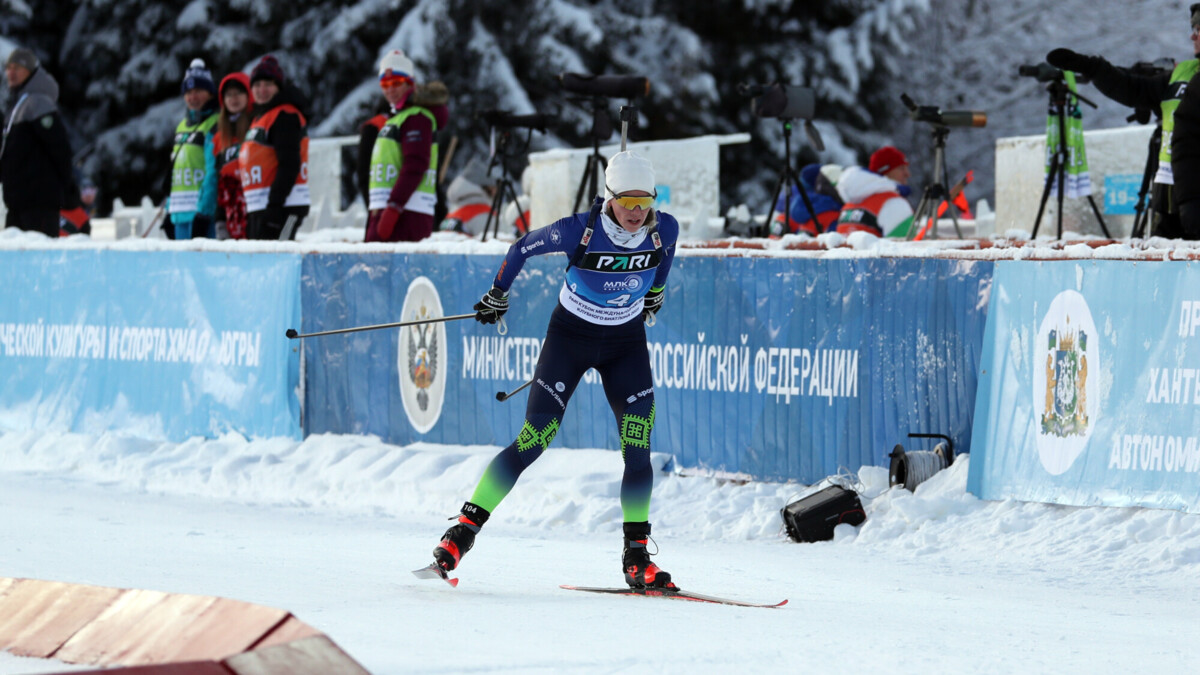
(120, 63)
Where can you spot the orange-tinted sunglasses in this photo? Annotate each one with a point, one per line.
(631, 203)
(389, 81)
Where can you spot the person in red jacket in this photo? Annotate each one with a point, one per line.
(234, 122)
(403, 176)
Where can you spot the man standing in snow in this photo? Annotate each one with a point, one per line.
(1164, 92)
(618, 263)
(873, 197)
(35, 166)
(193, 199)
(402, 192)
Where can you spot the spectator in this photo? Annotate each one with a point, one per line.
(470, 195)
(404, 160)
(792, 215)
(78, 205)
(35, 158)
(873, 202)
(367, 133)
(232, 125)
(273, 157)
(193, 198)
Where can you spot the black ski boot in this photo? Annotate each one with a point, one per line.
(460, 537)
(639, 571)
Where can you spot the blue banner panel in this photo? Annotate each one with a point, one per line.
(160, 344)
(774, 368)
(1090, 385)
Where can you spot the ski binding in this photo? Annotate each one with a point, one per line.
(433, 571)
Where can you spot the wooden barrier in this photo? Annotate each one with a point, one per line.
(156, 633)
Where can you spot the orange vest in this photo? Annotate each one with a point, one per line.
(257, 162)
(864, 216)
(226, 156)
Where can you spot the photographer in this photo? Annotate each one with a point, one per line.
(1163, 91)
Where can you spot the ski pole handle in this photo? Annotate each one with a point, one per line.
(293, 335)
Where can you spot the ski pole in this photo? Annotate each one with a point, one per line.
(501, 396)
(293, 335)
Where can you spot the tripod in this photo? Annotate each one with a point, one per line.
(1058, 164)
(504, 186)
(788, 178)
(601, 130)
(1141, 209)
(935, 191)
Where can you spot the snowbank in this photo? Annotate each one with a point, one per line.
(578, 490)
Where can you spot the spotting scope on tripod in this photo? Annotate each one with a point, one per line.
(785, 103)
(501, 126)
(1059, 93)
(935, 190)
(593, 90)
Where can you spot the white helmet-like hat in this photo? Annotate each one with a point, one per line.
(628, 171)
(394, 64)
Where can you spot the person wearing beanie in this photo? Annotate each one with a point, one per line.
(192, 198)
(1177, 177)
(792, 215)
(470, 195)
(273, 156)
(35, 157)
(232, 124)
(619, 255)
(872, 197)
(402, 186)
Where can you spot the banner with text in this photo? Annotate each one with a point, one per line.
(1090, 385)
(775, 368)
(161, 344)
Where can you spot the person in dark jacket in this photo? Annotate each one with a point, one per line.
(1164, 92)
(404, 159)
(35, 158)
(367, 133)
(273, 158)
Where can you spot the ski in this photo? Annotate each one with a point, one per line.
(671, 594)
(435, 572)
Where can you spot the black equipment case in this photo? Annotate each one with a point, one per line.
(813, 517)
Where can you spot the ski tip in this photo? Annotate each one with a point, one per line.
(454, 583)
(782, 603)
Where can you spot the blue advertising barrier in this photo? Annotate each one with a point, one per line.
(163, 344)
(1089, 392)
(774, 368)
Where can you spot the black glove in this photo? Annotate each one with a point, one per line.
(1065, 59)
(200, 223)
(274, 216)
(491, 306)
(653, 302)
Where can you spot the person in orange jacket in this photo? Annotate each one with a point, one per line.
(273, 160)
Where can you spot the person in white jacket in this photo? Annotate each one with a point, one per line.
(873, 196)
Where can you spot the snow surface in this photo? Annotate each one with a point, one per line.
(936, 581)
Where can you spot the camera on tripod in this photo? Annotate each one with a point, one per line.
(1044, 72)
(931, 114)
(783, 101)
(506, 120)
